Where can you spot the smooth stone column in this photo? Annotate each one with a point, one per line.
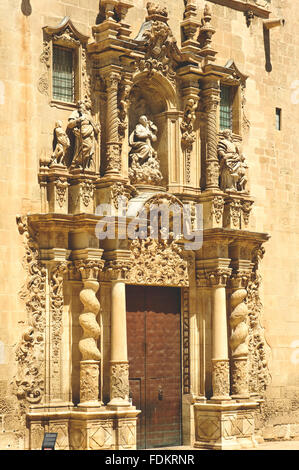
(119, 365)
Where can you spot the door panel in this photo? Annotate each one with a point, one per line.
(153, 321)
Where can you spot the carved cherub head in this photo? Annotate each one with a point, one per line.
(58, 124)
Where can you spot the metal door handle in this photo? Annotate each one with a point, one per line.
(160, 393)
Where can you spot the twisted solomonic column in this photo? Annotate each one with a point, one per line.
(91, 356)
(211, 102)
(113, 144)
(239, 336)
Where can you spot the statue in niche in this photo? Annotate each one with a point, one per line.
(144, 163)
(86, 132)
(232, 164)
(62, 143)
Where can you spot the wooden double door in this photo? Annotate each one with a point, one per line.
(154, 350)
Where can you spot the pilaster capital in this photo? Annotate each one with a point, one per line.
(241, 273)
(59, 268)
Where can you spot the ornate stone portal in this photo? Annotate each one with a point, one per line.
(151, 106)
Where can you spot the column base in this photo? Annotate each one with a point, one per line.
(120, 403)
(90, 406)
(225, 425)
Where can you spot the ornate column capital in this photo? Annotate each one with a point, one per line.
(219, 277)
(117, 269)
(89, 269)
(240, 279)
(211, 100)
(112, 79)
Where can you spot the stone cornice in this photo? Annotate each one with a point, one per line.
(245, 6)
(232, 236)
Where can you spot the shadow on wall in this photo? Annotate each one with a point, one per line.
(26, 8)
(268, 64)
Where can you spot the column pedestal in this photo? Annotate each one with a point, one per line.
(224, 426)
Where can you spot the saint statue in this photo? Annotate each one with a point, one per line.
(144, 164)
(86, 132)
(232, 164)
(62, 143)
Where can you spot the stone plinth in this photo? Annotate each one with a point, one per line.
(103, 430)
(224, 426)
(81, 430)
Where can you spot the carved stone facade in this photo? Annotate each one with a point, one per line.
(157, 262)
(140, 129)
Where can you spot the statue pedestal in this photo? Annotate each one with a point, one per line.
(225, 426)
(237, 210)
(81, 193)
(57, 189)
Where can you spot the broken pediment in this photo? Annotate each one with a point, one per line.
(66, 32)
(236, 73)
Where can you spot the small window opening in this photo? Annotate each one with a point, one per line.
(278, 119)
